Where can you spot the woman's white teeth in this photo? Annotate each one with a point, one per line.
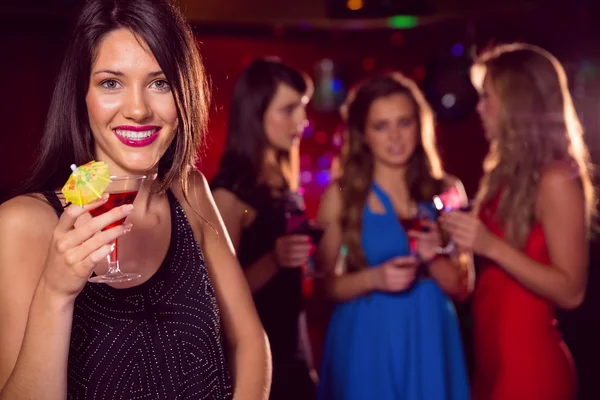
(135, 135)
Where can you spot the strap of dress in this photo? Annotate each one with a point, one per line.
(55, 202)
(384, 199)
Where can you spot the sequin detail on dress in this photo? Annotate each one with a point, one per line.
(159, 340)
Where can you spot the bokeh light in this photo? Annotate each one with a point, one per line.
(323, 178)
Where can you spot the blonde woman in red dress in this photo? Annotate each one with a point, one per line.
(530, 230)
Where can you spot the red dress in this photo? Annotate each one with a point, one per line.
(519, 353)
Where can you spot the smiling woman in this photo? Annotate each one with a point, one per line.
(127, 88)
(131, 92)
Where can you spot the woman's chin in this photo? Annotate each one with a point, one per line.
(138, 168)
(396, 162)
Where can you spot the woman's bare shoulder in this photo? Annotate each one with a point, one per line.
(26, 213)
(26, 227)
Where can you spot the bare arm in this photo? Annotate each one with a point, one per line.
(337, 284)
(261, 271)
(561, 208)
(561, 211)
(233, 212)
(42, 365)
(452, 272)
(43, 266)
(290, 251)
(455, 274)
(247, 341)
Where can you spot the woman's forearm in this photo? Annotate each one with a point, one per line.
(41, 368)
(348, 286)
(252, 368)
(453, 275)
(260, 272)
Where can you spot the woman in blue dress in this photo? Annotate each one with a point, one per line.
(393, 333)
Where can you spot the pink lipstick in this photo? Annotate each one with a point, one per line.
(137, 136)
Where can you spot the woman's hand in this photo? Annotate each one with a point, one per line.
(75, 251)
(293, 251)
(468, 232)
(395, 275)
(428, 242)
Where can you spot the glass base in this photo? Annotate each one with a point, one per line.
(115, 277)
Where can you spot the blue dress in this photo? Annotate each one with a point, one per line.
(393, 346)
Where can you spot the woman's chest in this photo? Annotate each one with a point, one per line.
(143, 249)
(382, 238)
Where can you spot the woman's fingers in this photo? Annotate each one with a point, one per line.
(72, 212)
(77, 236)
(79, 253)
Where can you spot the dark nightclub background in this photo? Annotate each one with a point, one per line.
(336, 43)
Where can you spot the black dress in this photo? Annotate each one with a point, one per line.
(279, 302)
(161, 339)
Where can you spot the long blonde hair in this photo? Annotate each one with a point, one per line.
(424, 170)
(537, 126)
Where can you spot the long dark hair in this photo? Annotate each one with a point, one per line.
(424, 174)
(253, 92)
(67, 135)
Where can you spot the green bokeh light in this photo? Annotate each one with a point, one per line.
(402, 21)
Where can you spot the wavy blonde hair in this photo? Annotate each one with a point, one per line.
(537, 126)
(424, 170)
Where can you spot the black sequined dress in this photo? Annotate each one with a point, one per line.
(161, 339)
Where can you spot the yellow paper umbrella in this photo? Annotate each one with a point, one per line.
(86, 183)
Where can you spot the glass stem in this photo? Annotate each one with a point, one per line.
(113, 260)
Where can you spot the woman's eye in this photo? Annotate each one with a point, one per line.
(380, 126)
(406, 122)
(110, 84)
(161, 85)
